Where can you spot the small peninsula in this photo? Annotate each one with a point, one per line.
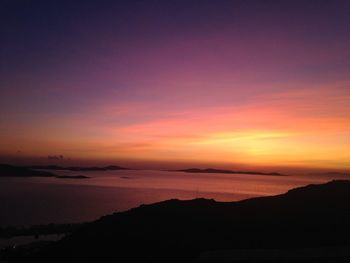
(212, 170)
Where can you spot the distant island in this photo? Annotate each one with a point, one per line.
(7, 170)
(306, 224)
(77, 168)
(212, 170)
(17, 171)
(333, 174)
(72, 177)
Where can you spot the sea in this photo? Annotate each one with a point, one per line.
(41, 200)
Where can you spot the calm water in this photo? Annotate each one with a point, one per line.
(27, 201)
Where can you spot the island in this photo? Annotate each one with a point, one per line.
(212, 170)
(306, 224)
(72, 177)
(77, 168)
(7, 170)
(340, 174)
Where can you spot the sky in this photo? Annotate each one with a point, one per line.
(250, 83)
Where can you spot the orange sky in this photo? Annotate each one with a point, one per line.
(307, 127)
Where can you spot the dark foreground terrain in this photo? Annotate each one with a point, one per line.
(307, 224)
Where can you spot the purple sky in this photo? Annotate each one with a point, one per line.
(157, 80)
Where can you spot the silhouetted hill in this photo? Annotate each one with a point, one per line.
(212, 170)
(77, 168)
(304, 219)
(10, 170)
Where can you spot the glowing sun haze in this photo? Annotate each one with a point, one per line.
(236, 82)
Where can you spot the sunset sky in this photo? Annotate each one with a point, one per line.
(228, 82)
